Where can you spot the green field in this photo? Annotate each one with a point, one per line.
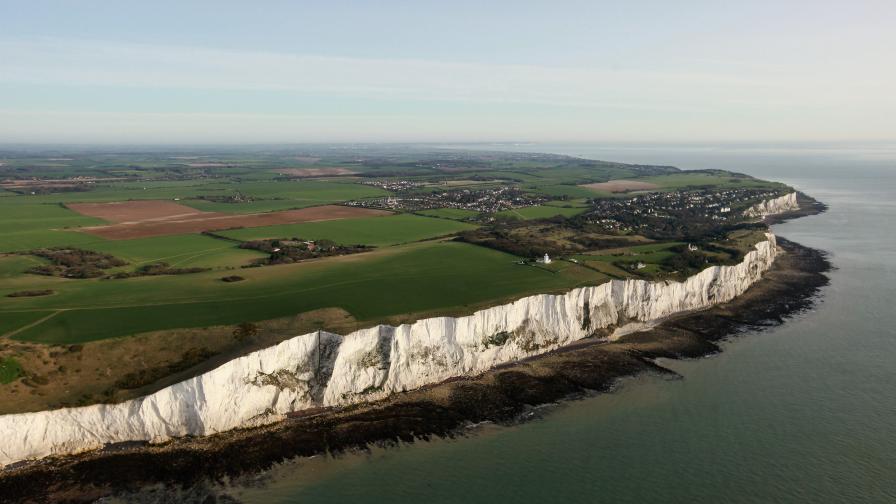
(541, 212)
(403, 276)
(13, 321)
(442, 276)
(25, 224)
(280, 195)
(12, 266)
(652, 253)
(561, 190)
(267, 194)
(377, 231)
(449, 213)
(29, 222)
(716, 179)
(692, 180)
(182, 251)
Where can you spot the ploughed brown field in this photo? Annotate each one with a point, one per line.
(134, 211)
(618, 186)
(323, 171)
(141, 219)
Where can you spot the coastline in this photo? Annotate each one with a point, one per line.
(499, 395)
(322, 370)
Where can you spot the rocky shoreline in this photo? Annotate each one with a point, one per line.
(499, 395)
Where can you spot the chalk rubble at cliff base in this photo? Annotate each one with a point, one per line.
(325, 369)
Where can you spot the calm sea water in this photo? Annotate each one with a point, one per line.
(805, 412)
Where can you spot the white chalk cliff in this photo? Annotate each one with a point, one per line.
(324, 369)
(773, 206)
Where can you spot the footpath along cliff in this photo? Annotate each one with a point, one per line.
(325, 369)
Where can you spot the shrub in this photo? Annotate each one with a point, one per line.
(159, 268)
(10, 370)
(245, 330)
(497, 339)
(70, 262)
(30, 293)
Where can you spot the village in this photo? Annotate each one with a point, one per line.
(489, 200)
(681, 209)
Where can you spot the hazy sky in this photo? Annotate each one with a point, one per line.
(270, 71)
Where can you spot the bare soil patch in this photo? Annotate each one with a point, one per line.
(619, 186)
(134, 211)
(197, 222)
(323, 171)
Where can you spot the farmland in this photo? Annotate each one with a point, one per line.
(542, 212)
(379, 234)
(377, 231)
(712, 178)
(372, 287)
(449, 213)
(180, 250)
(196, 222)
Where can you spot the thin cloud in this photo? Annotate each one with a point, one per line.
(737, 100)
(68, 62)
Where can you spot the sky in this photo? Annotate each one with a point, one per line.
(107, 72)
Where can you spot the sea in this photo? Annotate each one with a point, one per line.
(800, 413)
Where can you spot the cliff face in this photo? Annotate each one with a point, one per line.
(773, 206)
(324, 369)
